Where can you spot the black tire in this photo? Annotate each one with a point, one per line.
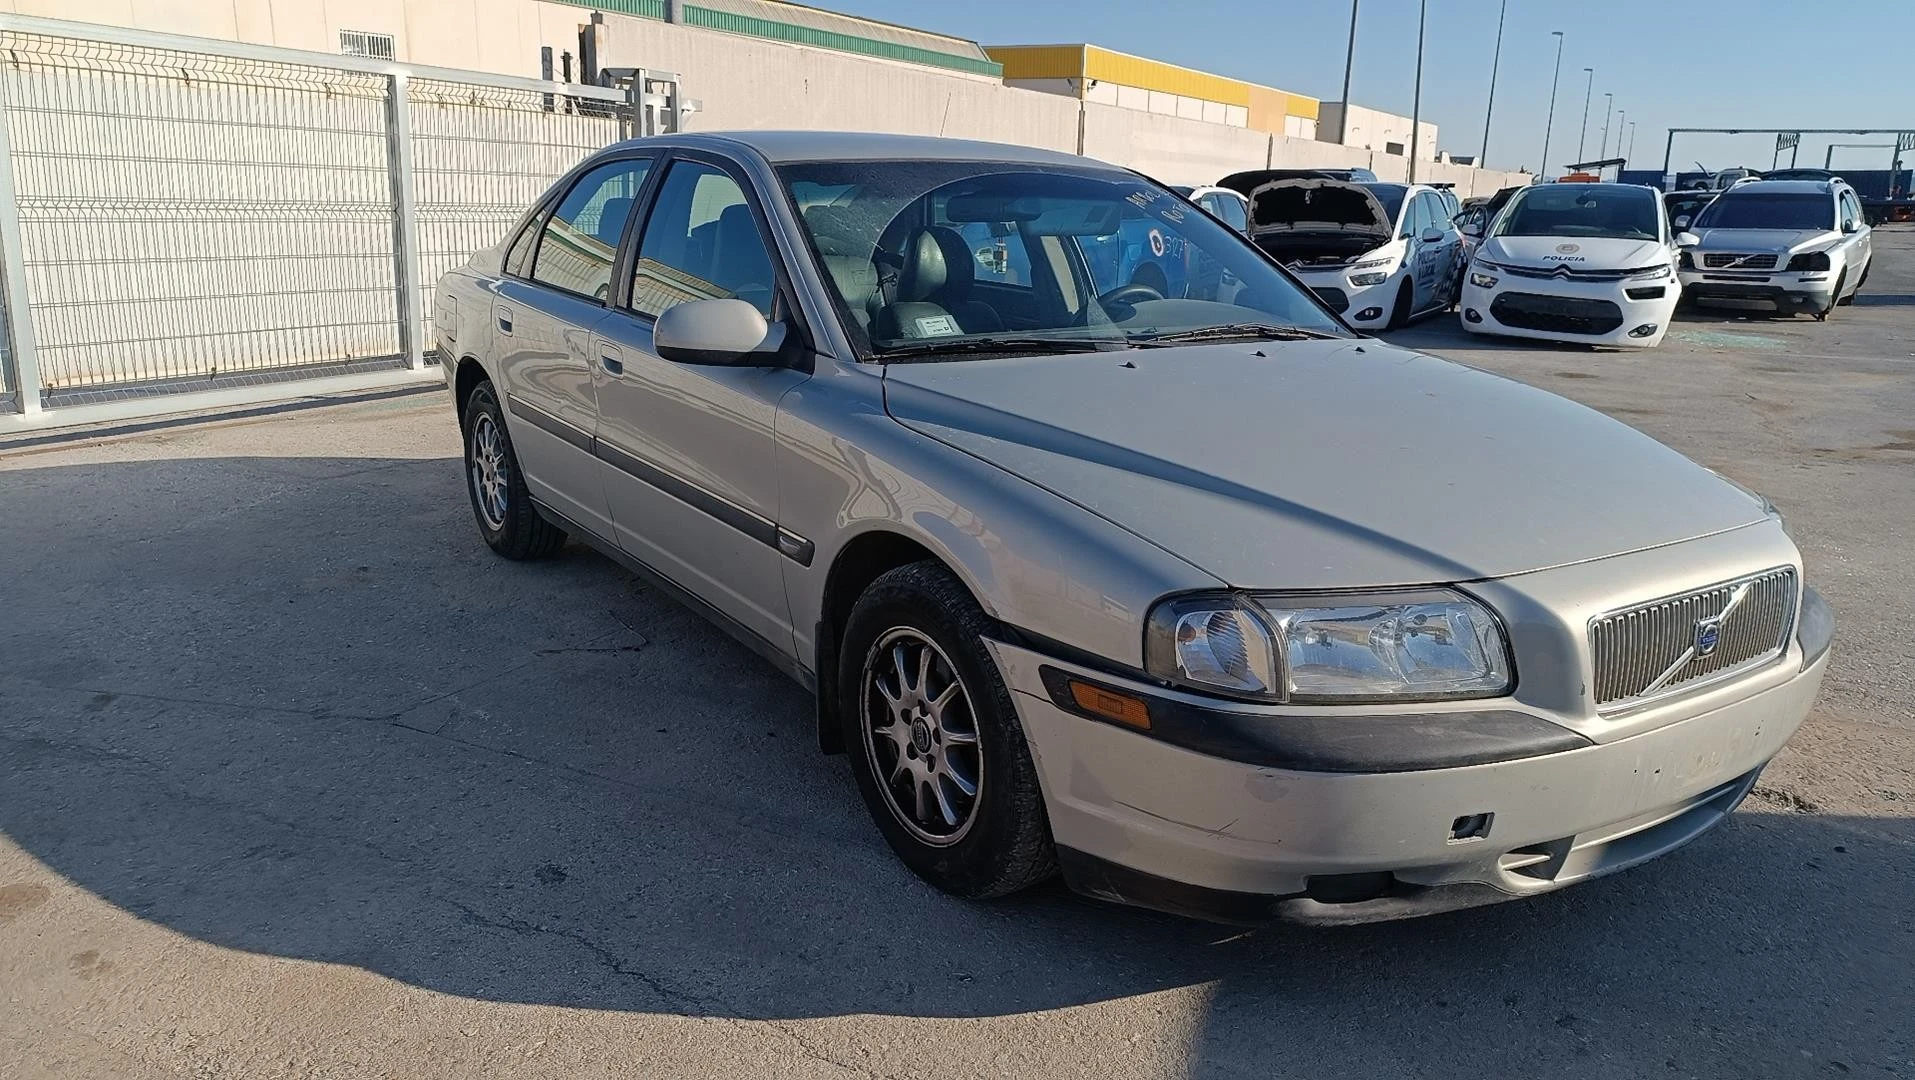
(1849, 300)
(516, 531)
(1834, 301)
(1005, 844)
(1404, 307)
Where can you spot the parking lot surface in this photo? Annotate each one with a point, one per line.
(298, 780)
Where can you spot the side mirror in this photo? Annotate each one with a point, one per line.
(1687, 239)
(1851, 226)
(717, 332)
(1432, 235)
(1473, 229)
(1681, 222)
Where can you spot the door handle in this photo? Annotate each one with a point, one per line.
(613, 365)
(505, 320)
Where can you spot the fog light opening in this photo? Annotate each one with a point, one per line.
(1369, 313)
(1470, 827)
(1472, 315)
(1645, 330)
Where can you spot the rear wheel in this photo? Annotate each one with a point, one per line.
(934, 738)
(1405, 301)
(503, 507)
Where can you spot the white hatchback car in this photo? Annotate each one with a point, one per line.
(1590, 263)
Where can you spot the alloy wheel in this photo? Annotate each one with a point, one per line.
(490, 474)
(921, 737)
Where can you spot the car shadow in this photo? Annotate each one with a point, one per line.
(293, 707)
(1884, 299)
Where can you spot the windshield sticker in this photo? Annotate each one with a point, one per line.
(936, 326)
(1157, 243)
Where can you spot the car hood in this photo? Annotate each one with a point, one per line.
(1779, 240)
(1588, 253)
(1324, 464)
(1312, 205)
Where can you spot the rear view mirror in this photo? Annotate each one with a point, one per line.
(717, 332)
(1687, 239)
(1681, 222)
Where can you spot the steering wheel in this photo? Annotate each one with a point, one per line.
(1129, 295)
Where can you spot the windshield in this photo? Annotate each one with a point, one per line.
(1616, 211)
(1769, 210)
(1391, 196)
(965, 253)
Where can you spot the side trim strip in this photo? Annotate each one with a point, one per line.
(548, 423)
(758, 528)
(765, 531)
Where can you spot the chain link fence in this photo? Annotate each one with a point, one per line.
(185, 216)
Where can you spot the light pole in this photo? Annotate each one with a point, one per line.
(1349, 60)
(1582, 133)
(1608, 104)
(1416, 101)
(1549, 126)
(1632, 142)
(1495, 60)
(1621, 115)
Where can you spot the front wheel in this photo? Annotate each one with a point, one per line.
(503, 507)
(934, 738)
(1405, 302)
(1835, 301)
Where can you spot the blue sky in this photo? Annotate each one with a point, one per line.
(1693, 63)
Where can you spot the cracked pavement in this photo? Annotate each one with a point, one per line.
(297, 780)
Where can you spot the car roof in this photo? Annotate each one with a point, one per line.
(1784, 187)
(789, 146)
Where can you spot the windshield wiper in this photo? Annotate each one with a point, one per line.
(1265, 331)
(1026, 345)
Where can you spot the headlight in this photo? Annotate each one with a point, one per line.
(1810, 260)
(1482, 280)
(1368, 263)
(1369, 279)
(1423, 645)
(1656, 271)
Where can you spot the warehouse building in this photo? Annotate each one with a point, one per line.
(1102, 75)
(772, 64)
(1375, 130)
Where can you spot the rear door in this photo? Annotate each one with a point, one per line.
(542, 324)
(687, 451)
(1863, 250)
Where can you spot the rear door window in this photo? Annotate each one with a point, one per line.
(580, 240)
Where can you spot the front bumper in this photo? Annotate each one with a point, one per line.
(1483, 315)
(1141, 820)
(1780, 291)
(1353, 301)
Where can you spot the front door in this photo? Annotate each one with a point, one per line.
(542, 327)
(687, 451)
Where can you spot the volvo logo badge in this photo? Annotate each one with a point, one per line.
(1568, 249)
(1708, 636)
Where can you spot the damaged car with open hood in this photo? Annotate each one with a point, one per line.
(1205, 602)
(1379, 254)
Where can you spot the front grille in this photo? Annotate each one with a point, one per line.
(1556, 314)
(1567, 273)
(1655, 649)
(1338, 300)
(1715, 261)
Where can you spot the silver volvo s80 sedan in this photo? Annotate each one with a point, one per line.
(1190, 593)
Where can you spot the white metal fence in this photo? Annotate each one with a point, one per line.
(181, 216)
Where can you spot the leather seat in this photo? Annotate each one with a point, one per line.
(932, 297)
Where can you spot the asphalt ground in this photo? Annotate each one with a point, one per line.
(298, 780)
